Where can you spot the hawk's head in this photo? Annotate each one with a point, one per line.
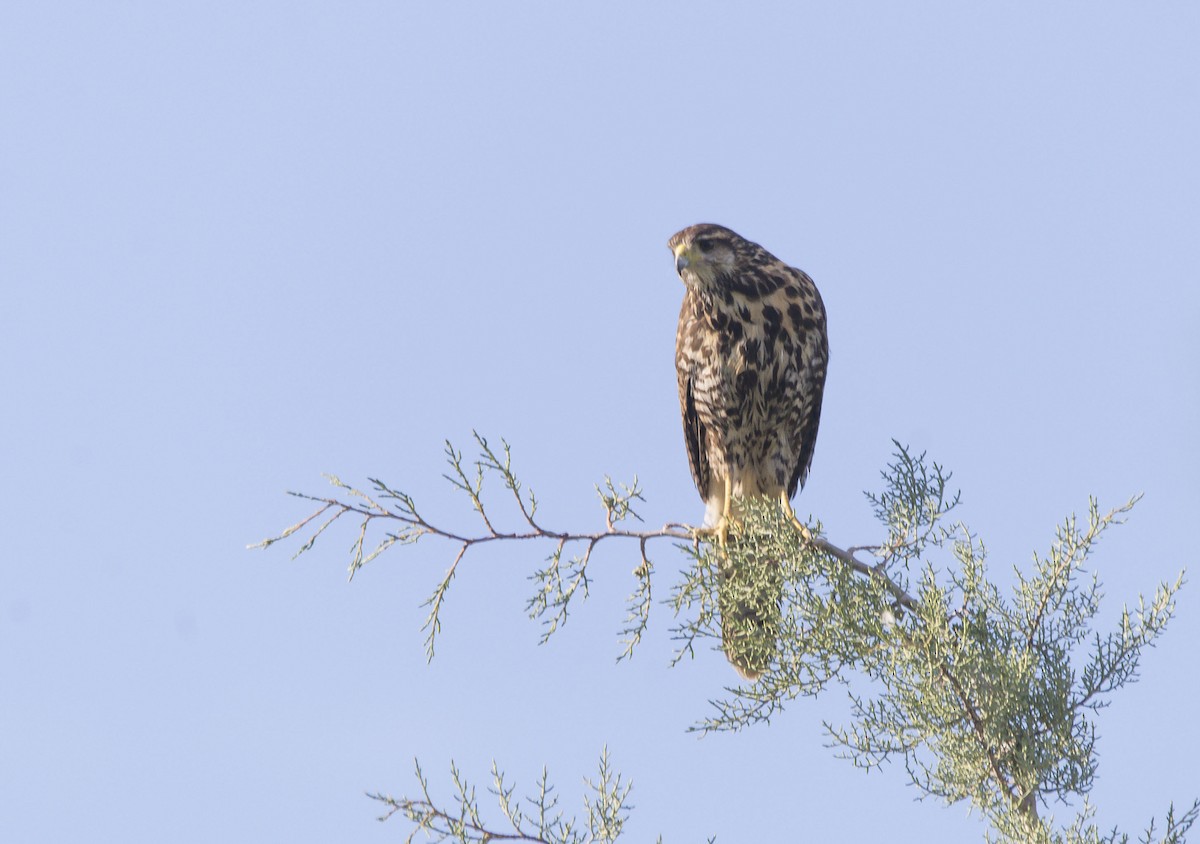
(706, 253)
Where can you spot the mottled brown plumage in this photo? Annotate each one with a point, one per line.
(751, 353)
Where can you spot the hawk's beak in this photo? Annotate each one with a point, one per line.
(681, 262)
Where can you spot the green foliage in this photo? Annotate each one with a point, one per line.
(981, 694)
(982, 698)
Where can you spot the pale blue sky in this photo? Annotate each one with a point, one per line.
(244, 244)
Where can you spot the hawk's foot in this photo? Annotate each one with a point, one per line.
(805, 533)
(719, 534)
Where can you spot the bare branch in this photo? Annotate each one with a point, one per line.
(535, 820)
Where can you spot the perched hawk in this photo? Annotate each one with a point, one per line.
(751, 354)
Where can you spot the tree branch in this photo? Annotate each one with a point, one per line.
(1008, 712)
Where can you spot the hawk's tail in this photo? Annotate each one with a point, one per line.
(750, 601)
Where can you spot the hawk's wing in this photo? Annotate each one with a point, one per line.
(806, 433)
(812, 359)
(693, 428)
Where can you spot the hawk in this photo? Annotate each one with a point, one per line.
(751, 354)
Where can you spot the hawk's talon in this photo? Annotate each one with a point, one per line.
(720, 533)
(805, 533)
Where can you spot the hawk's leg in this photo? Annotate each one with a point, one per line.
(791, 517)
(726, 514)
(721, 529)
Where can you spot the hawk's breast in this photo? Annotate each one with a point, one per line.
(744, 393)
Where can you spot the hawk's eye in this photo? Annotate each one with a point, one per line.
(704, 244)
